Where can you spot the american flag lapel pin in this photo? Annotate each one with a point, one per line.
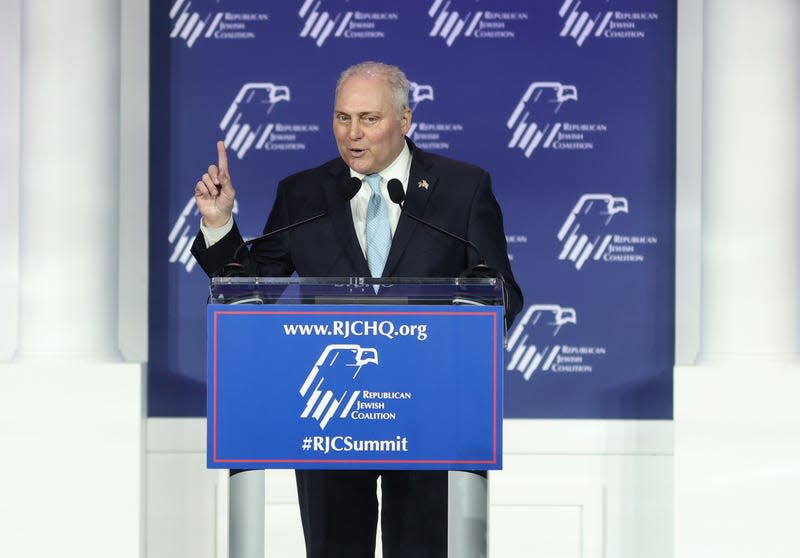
(423, 184)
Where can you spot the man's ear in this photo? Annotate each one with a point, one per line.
(405, 121)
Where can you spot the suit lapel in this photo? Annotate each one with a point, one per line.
(342, 218)
(421, 184)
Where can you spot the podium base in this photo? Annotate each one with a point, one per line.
(467, 514)
(246, 514)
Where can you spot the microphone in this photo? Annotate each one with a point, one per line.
(398, 195)
(347, 189)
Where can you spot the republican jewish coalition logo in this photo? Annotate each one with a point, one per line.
(598, 21)
(429, 134)
(332, 381)
(246, 120)
(450, 24)
(580, 24)
(189, 25)
(541, 101)
(536, 121)
(532, 345)
(320, 24)
(416, 94)
(583, 234)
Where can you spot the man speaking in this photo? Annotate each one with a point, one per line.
(369, 236)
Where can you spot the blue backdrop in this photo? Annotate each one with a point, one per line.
(570, 105)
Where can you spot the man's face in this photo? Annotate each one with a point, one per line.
(368, 133)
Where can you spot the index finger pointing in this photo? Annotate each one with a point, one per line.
(222, 157)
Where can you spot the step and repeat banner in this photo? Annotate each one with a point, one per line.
(569, 104)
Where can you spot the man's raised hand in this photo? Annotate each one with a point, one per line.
(214, 193)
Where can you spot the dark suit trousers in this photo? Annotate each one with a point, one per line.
(339, 511)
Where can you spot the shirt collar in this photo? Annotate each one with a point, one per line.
(399, 168)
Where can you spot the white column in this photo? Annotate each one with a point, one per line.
(737, 462)
(69, 167)
(70, 411)
(750, 200)
(10, 11)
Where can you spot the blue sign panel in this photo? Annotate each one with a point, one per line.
(308, 387)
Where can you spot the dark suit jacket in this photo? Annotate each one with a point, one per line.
(458, 198)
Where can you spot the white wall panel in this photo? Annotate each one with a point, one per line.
(181, 506)
(544, 514)
(625, 500)
(554, 531)
(283, 531)
(568, 488)
(71, 459)
(737, 460)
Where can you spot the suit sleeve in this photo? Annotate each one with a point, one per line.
(266, 258)
(214, 258)
(485, 229)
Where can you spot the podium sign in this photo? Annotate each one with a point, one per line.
(354, 386)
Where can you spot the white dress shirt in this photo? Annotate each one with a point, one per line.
(400, 168)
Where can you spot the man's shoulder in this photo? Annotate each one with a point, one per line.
(441, 164)
(316, 175)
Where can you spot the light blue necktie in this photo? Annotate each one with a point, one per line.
(379, 233)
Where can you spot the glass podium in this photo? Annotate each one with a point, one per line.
(465, 314)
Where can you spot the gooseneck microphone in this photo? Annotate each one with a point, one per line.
(398, 196)
(346, 189)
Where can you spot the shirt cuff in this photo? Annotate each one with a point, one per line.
(212, 235)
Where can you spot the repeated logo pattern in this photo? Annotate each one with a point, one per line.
(448, 24)
(416, 94)
(543, 98)
(318, 25)
(188, 25)
(580, 24)
(582, 235)
(245, 121)
(526, 356)
(571, 107)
